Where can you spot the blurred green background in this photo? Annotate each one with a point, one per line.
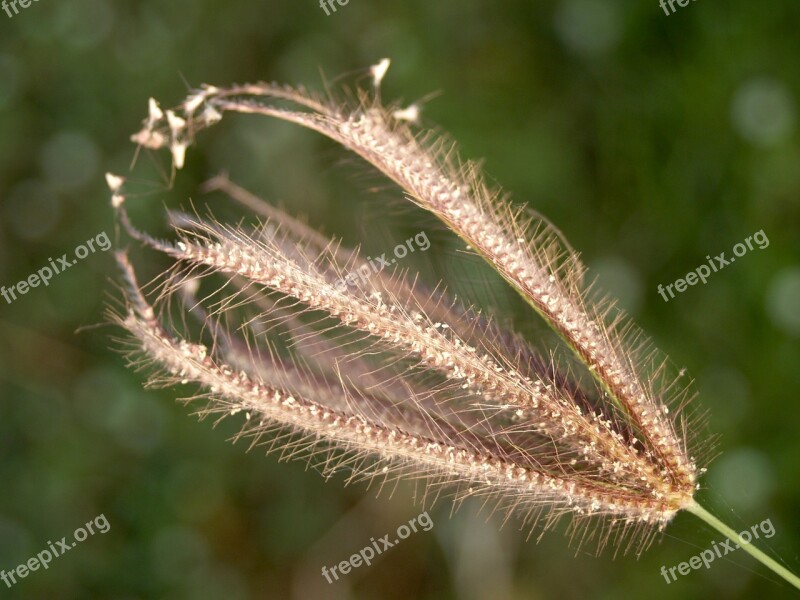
(651, 140)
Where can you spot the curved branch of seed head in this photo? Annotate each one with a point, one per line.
(458, 196)
(408, 411)
(305, 244)
(471, 326)
(263, 262)
(188, 362)
(339, 395)
(336, 379)
(325, 356)
(552, 414)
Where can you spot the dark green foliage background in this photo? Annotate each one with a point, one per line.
(643, 136)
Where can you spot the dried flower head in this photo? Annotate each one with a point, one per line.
(387, 378)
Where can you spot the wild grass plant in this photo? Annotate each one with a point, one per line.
(391, 379)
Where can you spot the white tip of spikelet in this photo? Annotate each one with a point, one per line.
(156, 114)
(114, 182)
(149, 139)
(176, 123)
(178, 154)
(193, 102)
(117, 200)
(410, 114)
(210, 115)
(379, 71)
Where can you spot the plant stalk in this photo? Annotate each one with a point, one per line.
(752, 550)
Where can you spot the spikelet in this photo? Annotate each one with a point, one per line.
(389, 379)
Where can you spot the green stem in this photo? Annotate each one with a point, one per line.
(710, 519)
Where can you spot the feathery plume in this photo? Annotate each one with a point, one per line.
(388, 378)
